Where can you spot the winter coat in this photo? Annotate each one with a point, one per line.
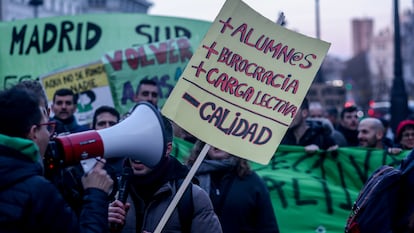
(69, 126)
(242, 203)
(204, 220)
(315, 134)
(30, 203)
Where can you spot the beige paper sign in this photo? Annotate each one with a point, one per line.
(243, 86)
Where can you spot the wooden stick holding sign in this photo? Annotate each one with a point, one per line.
(182, 188)
(191, 173)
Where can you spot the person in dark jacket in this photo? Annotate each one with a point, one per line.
(240, 197)
(30, 203)
(348, 125)
(310, 134)
(151, 192)
(64, 107)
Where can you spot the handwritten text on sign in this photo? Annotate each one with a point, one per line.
(161, 62)
(245, 83)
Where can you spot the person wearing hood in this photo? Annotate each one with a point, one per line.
(151, 191)
(30, 203)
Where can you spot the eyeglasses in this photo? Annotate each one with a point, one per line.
(406, 135)
(50, 126)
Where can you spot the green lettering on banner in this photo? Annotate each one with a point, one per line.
(35, 47)
(313, 192)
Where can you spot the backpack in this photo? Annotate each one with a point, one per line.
(382, 204)
(185, 207)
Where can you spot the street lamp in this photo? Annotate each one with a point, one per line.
(319, 75)
(399, 106)
(35, 4)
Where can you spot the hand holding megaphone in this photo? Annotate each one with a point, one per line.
(98, 178)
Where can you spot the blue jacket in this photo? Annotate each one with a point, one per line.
(30, 203)
(69, 125)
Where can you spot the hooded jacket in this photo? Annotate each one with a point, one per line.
(30, 203)
(147, 214)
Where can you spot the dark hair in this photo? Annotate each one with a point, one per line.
(103, 109)
(65, 92)
(36, 88)
(90, 94)
(332, 112)
(305, 104)
(347, 110)
(19, 111)
(168, 129)
(147, 82)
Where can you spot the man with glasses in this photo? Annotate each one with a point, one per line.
(30, 202)
(404, 135)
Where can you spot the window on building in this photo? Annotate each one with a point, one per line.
(97, 3)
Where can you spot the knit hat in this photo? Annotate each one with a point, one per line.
(401, 126)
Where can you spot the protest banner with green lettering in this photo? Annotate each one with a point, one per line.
(313, 192)
(34, 47)
(161, 62)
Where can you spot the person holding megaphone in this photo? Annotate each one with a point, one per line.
(151, 190)
(30, 202)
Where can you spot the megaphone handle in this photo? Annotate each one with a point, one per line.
(88, 164)
(182, 189)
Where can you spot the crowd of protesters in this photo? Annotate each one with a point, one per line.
(88, 201)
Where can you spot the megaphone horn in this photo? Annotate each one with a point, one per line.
(140, 136)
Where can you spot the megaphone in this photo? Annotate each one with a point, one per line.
(140, 136)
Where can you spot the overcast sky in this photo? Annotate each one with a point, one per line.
(335, 15)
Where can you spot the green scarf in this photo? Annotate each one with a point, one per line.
(25, 146)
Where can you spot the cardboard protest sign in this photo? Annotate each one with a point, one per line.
(162, 62)
(88, 81)
(245, 82)
(34, 47)
(313, 192)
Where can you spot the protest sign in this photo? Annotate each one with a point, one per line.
(313, 192)
(88, 81)
(162, 62)
(245, 82)
(34, 47)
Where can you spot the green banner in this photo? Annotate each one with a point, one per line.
(161, 62)
(31, 48)
(313, 192)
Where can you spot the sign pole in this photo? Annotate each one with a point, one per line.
(182, 188)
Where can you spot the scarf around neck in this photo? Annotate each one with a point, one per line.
(25, 146)
(210, 166)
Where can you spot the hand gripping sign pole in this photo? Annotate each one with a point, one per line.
(182, 188)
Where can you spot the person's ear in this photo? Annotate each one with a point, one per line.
(305, 113)
(32, 132)
(380, 134)
(169, 149)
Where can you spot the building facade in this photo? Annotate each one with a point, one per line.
(25, 9)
